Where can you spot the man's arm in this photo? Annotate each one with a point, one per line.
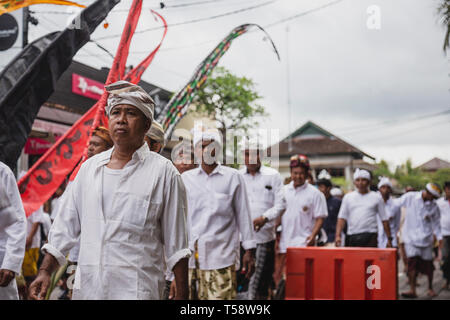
(175, 230)
(278, 208)
(311, 240)
(243, 219)
(38, 288)
(180, 271)
(339, 227)
(13, 222)
(387, 230)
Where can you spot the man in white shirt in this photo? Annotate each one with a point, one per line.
(128, 206)
(265, 190)
(306, 209)
(393, 212)
(444, 208)
(359, 211)
(13, 233)
(218, 213)
(421, 225)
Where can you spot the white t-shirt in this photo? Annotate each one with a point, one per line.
(361, 210)
(444, 208)
(304, 205)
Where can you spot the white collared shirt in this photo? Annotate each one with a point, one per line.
(361, 210)
(122, 252)
(444, 208)
(218, 213)
(393, 212)
(304, 205)
(422, 220)
(265, 193)
(13, 224)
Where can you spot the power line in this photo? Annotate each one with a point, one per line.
(197, 20)
(390, 122)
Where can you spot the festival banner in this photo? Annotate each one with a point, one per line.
(11, 5)
(177, 107)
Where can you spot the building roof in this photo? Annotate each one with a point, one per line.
(312, 140)
(63, 95)
(434, 165)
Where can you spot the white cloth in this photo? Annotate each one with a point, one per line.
(361, 173)
(444, 208)
(218, 211)
(422, 220)
(46, 223)
(384, 181)
(13, 230)
(35, 217)
(55, 207)
(265, 193)
(122, 253)
(426, 253)
(304, 205)
(394, 214)
(361, 210)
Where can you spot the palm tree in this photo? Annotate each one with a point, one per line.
(444, 12)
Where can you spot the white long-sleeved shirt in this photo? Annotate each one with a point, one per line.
(122, 252)
(13, 224)
(35, 217)
(218, 212)
(361, 210)
(422, 220)
(266, 196)
(444, 208)
(304, 205)
(394, 214)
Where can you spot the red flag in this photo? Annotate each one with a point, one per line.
(47, 174)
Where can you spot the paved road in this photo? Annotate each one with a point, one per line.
(422, 281)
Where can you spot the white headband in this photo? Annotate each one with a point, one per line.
(384, 182)
(361, 173)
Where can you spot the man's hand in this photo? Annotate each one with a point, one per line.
(389, 244)
(248, 263)
(38, 288)
(28, 243)
(310, 241)
(258, 223)
(337, 240)
(5, 277)
(173, 290)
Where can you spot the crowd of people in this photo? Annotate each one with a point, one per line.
(131, 224)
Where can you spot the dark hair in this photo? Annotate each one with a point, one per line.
(446, 184)
(325, 182)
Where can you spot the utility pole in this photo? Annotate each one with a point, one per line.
(288, 85)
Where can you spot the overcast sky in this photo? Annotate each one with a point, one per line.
(383, 90)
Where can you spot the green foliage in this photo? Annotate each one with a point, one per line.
(406, 175)
(231, 100)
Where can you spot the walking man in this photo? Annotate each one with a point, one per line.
(128, 207)
(218, 213)
(265, 190)
(422, 224)
(393, 213)
(333, 206)
(359, 211)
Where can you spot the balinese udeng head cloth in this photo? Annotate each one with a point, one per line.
(434, 189)
(156, 132)
(384, 181)
(124, 92)
(299, 160)
(103, 134)
(361, 174)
